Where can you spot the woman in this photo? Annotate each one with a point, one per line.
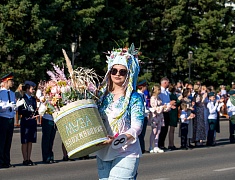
(18, 94)
(187, 101)
(199, 128)
(173, 116)
(28, 123)
(122, 111)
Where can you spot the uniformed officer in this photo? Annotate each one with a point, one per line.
(7, 113)
(28, 123)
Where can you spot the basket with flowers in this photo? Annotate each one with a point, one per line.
(71, 101)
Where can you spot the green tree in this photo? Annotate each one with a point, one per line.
(32, 34)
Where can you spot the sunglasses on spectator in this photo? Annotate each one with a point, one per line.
(122, 72)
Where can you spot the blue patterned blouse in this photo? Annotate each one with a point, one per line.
(131, 123)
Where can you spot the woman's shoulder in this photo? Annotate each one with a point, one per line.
(136, 100)
(135, 95)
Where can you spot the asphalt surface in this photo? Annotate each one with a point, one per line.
(199, 163)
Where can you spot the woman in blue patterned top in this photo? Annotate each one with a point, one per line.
(122, 111)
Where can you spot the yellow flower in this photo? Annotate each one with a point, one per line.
(54, 101)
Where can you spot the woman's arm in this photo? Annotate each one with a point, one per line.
(136, 108)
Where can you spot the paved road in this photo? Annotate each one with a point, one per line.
(200, 163)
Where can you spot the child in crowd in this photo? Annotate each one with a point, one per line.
(184, 118)
(157, 119)
(213, 107)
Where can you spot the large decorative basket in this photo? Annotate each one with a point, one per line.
(81, 127)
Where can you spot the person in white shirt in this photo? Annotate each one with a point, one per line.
(1, 85)
(214, 108)
(223, 90)
(7, 113)
(231, 113)
(184, 119)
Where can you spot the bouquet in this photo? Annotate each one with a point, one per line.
(60, 91)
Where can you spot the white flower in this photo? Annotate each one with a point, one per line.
(42, 109)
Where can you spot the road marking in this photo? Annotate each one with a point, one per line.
(225, 169)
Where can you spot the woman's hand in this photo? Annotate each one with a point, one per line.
(180, 97)
(129, 137)
(172, 102)
(221, 100)
(111, 139)
(108, 141)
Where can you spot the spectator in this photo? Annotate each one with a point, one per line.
(190, 110)
(231, 112)
(223, 90)
(173, 116)
(188, 102)
(18, 94)
(142, 87)
(199, 128)
(147, 97)
(184, 118)
(48, 136)
(157, 119)
(65, 154)
(179, 86)
(212, 118)
(165, 98)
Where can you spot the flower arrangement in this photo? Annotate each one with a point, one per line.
(60, 91)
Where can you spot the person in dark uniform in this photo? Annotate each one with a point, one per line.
(141, 87)
(7, 113)
(28, 123)
(48, 136)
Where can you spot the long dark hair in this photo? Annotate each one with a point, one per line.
(185, 92)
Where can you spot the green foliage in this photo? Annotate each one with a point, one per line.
(32, 34)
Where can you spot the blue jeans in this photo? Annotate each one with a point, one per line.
(121, 168)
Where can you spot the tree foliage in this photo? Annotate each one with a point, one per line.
(33, 32)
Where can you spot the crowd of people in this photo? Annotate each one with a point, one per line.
(195, 108)
(126, 108)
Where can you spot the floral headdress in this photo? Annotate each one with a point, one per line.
(128, 58)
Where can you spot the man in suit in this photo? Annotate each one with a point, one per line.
(165, 98)
(7, 113)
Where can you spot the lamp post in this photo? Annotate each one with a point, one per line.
(190, 56)
(73, 49)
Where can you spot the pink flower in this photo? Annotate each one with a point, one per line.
(91, 87)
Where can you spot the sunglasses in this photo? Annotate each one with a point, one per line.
(122, 72)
